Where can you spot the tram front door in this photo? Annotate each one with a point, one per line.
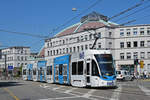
(88, 73)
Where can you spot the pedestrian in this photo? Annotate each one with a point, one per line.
(145, 74)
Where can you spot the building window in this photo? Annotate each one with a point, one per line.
(121, 55)
(135, 55)
(134, 32)
(110, 34)
(128, 55)
(86, 47)
(63, 41)
(135, 44)
(60, 51)
(48, 53)
(148, 55)
(128, 33)
(99, 34)
(90, 46)
(82, 38)
(66, 50)
(78, 48)
(70, 49)
(47, 44)
(74, 49)
(121, 44)
(110, 45)
(142, 43)
(148, 31)
(142, 55)
(90, 36)
(99, 45)
(141, 31)
(148, 67)
(121, 33)
(51, 52)
(128, 44)
(148, 43)
(82, 47)
(78, 39)
(86, 38)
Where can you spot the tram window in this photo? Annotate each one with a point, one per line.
(48, 70)
(94, 69)
(41, 71)
(29, 71)
(80, 68)
(74, 67)
(60, 69)
(88, 68)
(24, 72)
(34, 71)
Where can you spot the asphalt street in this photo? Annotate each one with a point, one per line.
(28, 90)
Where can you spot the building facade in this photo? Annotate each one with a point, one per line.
(126, 42)
(14, 56)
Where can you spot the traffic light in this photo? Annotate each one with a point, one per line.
(136, 61)
(141, 64)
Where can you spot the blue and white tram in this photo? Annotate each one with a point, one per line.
(29, 71)
(41, 67)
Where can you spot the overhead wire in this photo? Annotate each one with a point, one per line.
(23, 33)
(132, 13)
(129, 9)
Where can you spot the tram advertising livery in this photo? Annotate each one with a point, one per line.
(90, 68)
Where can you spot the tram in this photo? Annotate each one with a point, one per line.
(90, 68)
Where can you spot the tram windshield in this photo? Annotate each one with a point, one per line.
(105, 63)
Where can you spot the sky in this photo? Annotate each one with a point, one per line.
(41, 17)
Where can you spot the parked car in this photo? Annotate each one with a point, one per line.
(124, 75)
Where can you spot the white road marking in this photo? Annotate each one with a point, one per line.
(87, 95)
(116, 93)
(59, 98)
(145, 90)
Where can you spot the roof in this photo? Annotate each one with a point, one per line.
(92, 20)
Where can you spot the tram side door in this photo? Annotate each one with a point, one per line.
(88, 72)
(56, 74)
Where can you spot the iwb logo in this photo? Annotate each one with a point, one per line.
(81, 55)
